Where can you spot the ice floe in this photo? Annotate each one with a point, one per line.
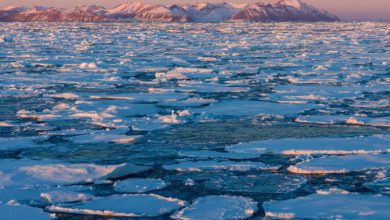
(381, 186)
(29, 172)
(103, 137)
(307, 146)
(250, 108)
(199, 166)
(348, 120)
(54, 197)
(254, 183)
(330, 206)
(216, 154)
(342, 164)
(139, 185)
(21, 142)
(218, 207)
(137, 205)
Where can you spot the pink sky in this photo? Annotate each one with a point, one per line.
(342, 8)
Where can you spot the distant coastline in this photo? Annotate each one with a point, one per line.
(277, 11)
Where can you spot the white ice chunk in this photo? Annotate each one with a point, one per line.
(28, 172)
(138, 205)
(54, 197)
(181, 73)
(139, 185)
(342, 164)
(218, 208)
(102, 137)
(65, 96)
(330, 206)
(306, 146)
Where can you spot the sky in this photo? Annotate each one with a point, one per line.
(347, 9)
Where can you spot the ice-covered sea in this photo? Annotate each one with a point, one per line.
(194, 121)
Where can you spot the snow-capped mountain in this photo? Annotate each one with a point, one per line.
(278, 10)
(283, 10)
(125, 11)
(212, 12)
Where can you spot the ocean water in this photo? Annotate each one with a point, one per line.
(198, 121)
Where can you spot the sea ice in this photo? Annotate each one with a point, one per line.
(251, 108)
(54, 197)
(138, 185)
(306, 146)
(28, 172)
(215, 154)
(217, 208)
(19, 212)
(137, 205)
(342, 164)
(381, 185)
(255, 183)
(330, 206)
(199, 166)
(21, 142)
(103, 137)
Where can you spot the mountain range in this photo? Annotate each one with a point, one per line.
(277, 11)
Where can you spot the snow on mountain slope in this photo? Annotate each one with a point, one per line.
(283, 10)
(126, 11)
(278, 10)
(212, 12)
(162, 13)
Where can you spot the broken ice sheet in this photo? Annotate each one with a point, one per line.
(332, 119)
(307, 146)
(254, 182)
(199, 166)
(190, 102)
(136, 205)
(53, 197)
(139, 97)
(342, 164)
(381, 186)
(345, 119)
(21, 142)
(216, 154)
(251, 108)
(28, 172)
(139, 185)
(316, 92)
(210, 88)
(330, 206)
(103, 137)
(218, 207)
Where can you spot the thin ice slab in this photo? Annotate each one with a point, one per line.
(342, 164)
(199, 166)
(307, 146)
(138, 205)
(217, 208)
(28, 172)
(330, 206)
(252, 108)
(139, 185)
